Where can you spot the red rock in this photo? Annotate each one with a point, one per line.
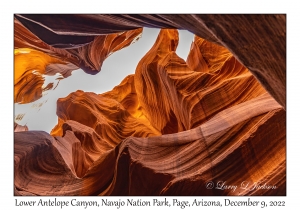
(173, 126)
(30, 66)
(224, 153)
(88, 57)
(257, 41)
(49, 60)
(18, 128)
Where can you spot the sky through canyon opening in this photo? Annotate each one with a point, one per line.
(41, 114)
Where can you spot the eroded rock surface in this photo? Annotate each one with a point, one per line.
(171, 128)
(257, 41)
(35, 58)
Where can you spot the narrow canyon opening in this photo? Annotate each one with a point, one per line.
(186, 118)
(41, 114)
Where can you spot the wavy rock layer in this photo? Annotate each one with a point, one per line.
(257, 41)
(35, 58)
(30, 66)
(230, 153)
(171, 128)
(89, 56)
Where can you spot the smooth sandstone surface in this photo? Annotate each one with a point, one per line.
(171, 128)
(257, 41)
(35, 58)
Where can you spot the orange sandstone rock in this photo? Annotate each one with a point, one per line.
(257, 41)
(172, 127)
(88, 56)
(177, 164)
(30, 66)
(32, 54)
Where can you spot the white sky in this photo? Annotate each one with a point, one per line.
(41, 114)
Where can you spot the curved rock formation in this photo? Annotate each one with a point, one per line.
(220, 151)
(30, 66)
(88, 56)
(32, 54)
(171, 128)
(18, 128)
(257, 41)
(92, 55)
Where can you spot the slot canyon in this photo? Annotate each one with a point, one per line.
(171, 128)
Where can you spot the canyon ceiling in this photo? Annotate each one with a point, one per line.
(170, 128)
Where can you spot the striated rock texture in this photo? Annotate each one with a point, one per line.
(173, 128)
(89, 56)
(30, 66)
(35, 58)
(257, 41)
